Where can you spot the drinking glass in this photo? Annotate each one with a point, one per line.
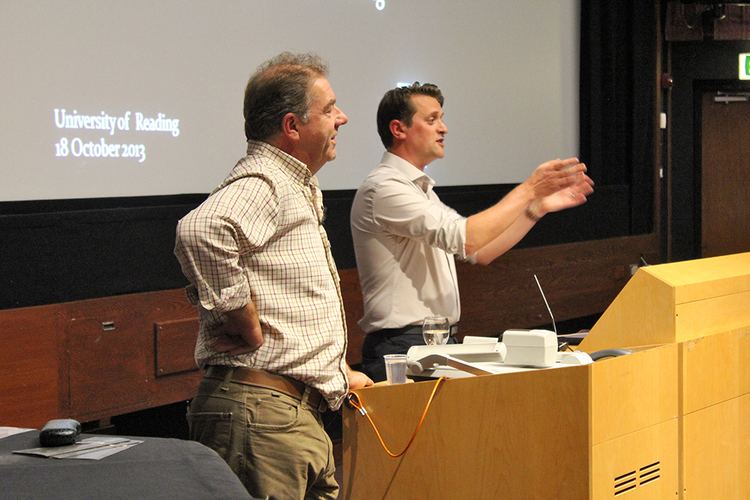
(395, 368)
(435, 330)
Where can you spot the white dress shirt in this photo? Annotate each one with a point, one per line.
(405, 239)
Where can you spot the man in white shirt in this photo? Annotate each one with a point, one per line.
(405, 238)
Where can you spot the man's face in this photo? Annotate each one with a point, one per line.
(317, 144)
(425, 137)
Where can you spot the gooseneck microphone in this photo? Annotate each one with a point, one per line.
(554, 327)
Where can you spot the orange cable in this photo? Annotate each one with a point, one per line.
(354, 400)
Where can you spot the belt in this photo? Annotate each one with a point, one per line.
(268, 380)
(408, 330)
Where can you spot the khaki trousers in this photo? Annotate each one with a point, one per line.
(275, 443)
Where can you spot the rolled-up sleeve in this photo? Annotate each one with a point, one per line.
(400, 208)
(210, 240)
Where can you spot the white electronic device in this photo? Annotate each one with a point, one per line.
(522, 350)
(467, 357)
(536, 348)
(574, 358)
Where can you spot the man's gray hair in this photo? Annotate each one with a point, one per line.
(279, 86)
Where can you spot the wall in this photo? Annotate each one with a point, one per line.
(62, 261)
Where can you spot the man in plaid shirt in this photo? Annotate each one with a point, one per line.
(272, 337)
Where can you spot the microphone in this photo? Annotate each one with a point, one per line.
(554, 327)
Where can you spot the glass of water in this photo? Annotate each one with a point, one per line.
(435, 330)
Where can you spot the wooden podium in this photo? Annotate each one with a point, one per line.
(574, 432)
(703, 307)
(667, 421)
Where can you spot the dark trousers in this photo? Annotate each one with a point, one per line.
(390, 341)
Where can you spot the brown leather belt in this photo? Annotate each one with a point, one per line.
(262, 378)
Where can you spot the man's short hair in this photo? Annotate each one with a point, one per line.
(279, 86)
(396, 105)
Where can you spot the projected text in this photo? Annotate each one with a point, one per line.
(110, 125)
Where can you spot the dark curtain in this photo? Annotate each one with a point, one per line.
(618, 92)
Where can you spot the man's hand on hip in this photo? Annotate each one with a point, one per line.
(240, 332)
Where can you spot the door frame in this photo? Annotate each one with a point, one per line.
(700, 88)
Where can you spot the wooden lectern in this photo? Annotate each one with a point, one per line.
(574, 432)
(703, 307)
(669, 420)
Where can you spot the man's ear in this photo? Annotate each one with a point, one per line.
(398, 129)
(290, 126)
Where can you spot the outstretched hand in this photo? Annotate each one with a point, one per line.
(552, 176)
(568, 197)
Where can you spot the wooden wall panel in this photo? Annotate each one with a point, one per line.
(174, 343)
(128, 366)
(93, 359)
(579, 280)
(30, 386)
(107, 366)
(65, 360)
(354, 310)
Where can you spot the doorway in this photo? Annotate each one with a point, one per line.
(725, 172)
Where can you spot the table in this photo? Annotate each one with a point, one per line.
(157, 468)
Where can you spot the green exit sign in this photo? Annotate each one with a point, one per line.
(744, 66)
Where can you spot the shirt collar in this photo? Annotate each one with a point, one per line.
(418, 177)
(296, 169)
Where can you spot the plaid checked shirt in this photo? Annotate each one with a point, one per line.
(259, 236)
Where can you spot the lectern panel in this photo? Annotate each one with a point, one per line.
(712, 315)
(521, 435)
(676, 302)
(710, 277)
(641, 465)
(715, 369)
(716, 451)
(630, 393)
(641, 314)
